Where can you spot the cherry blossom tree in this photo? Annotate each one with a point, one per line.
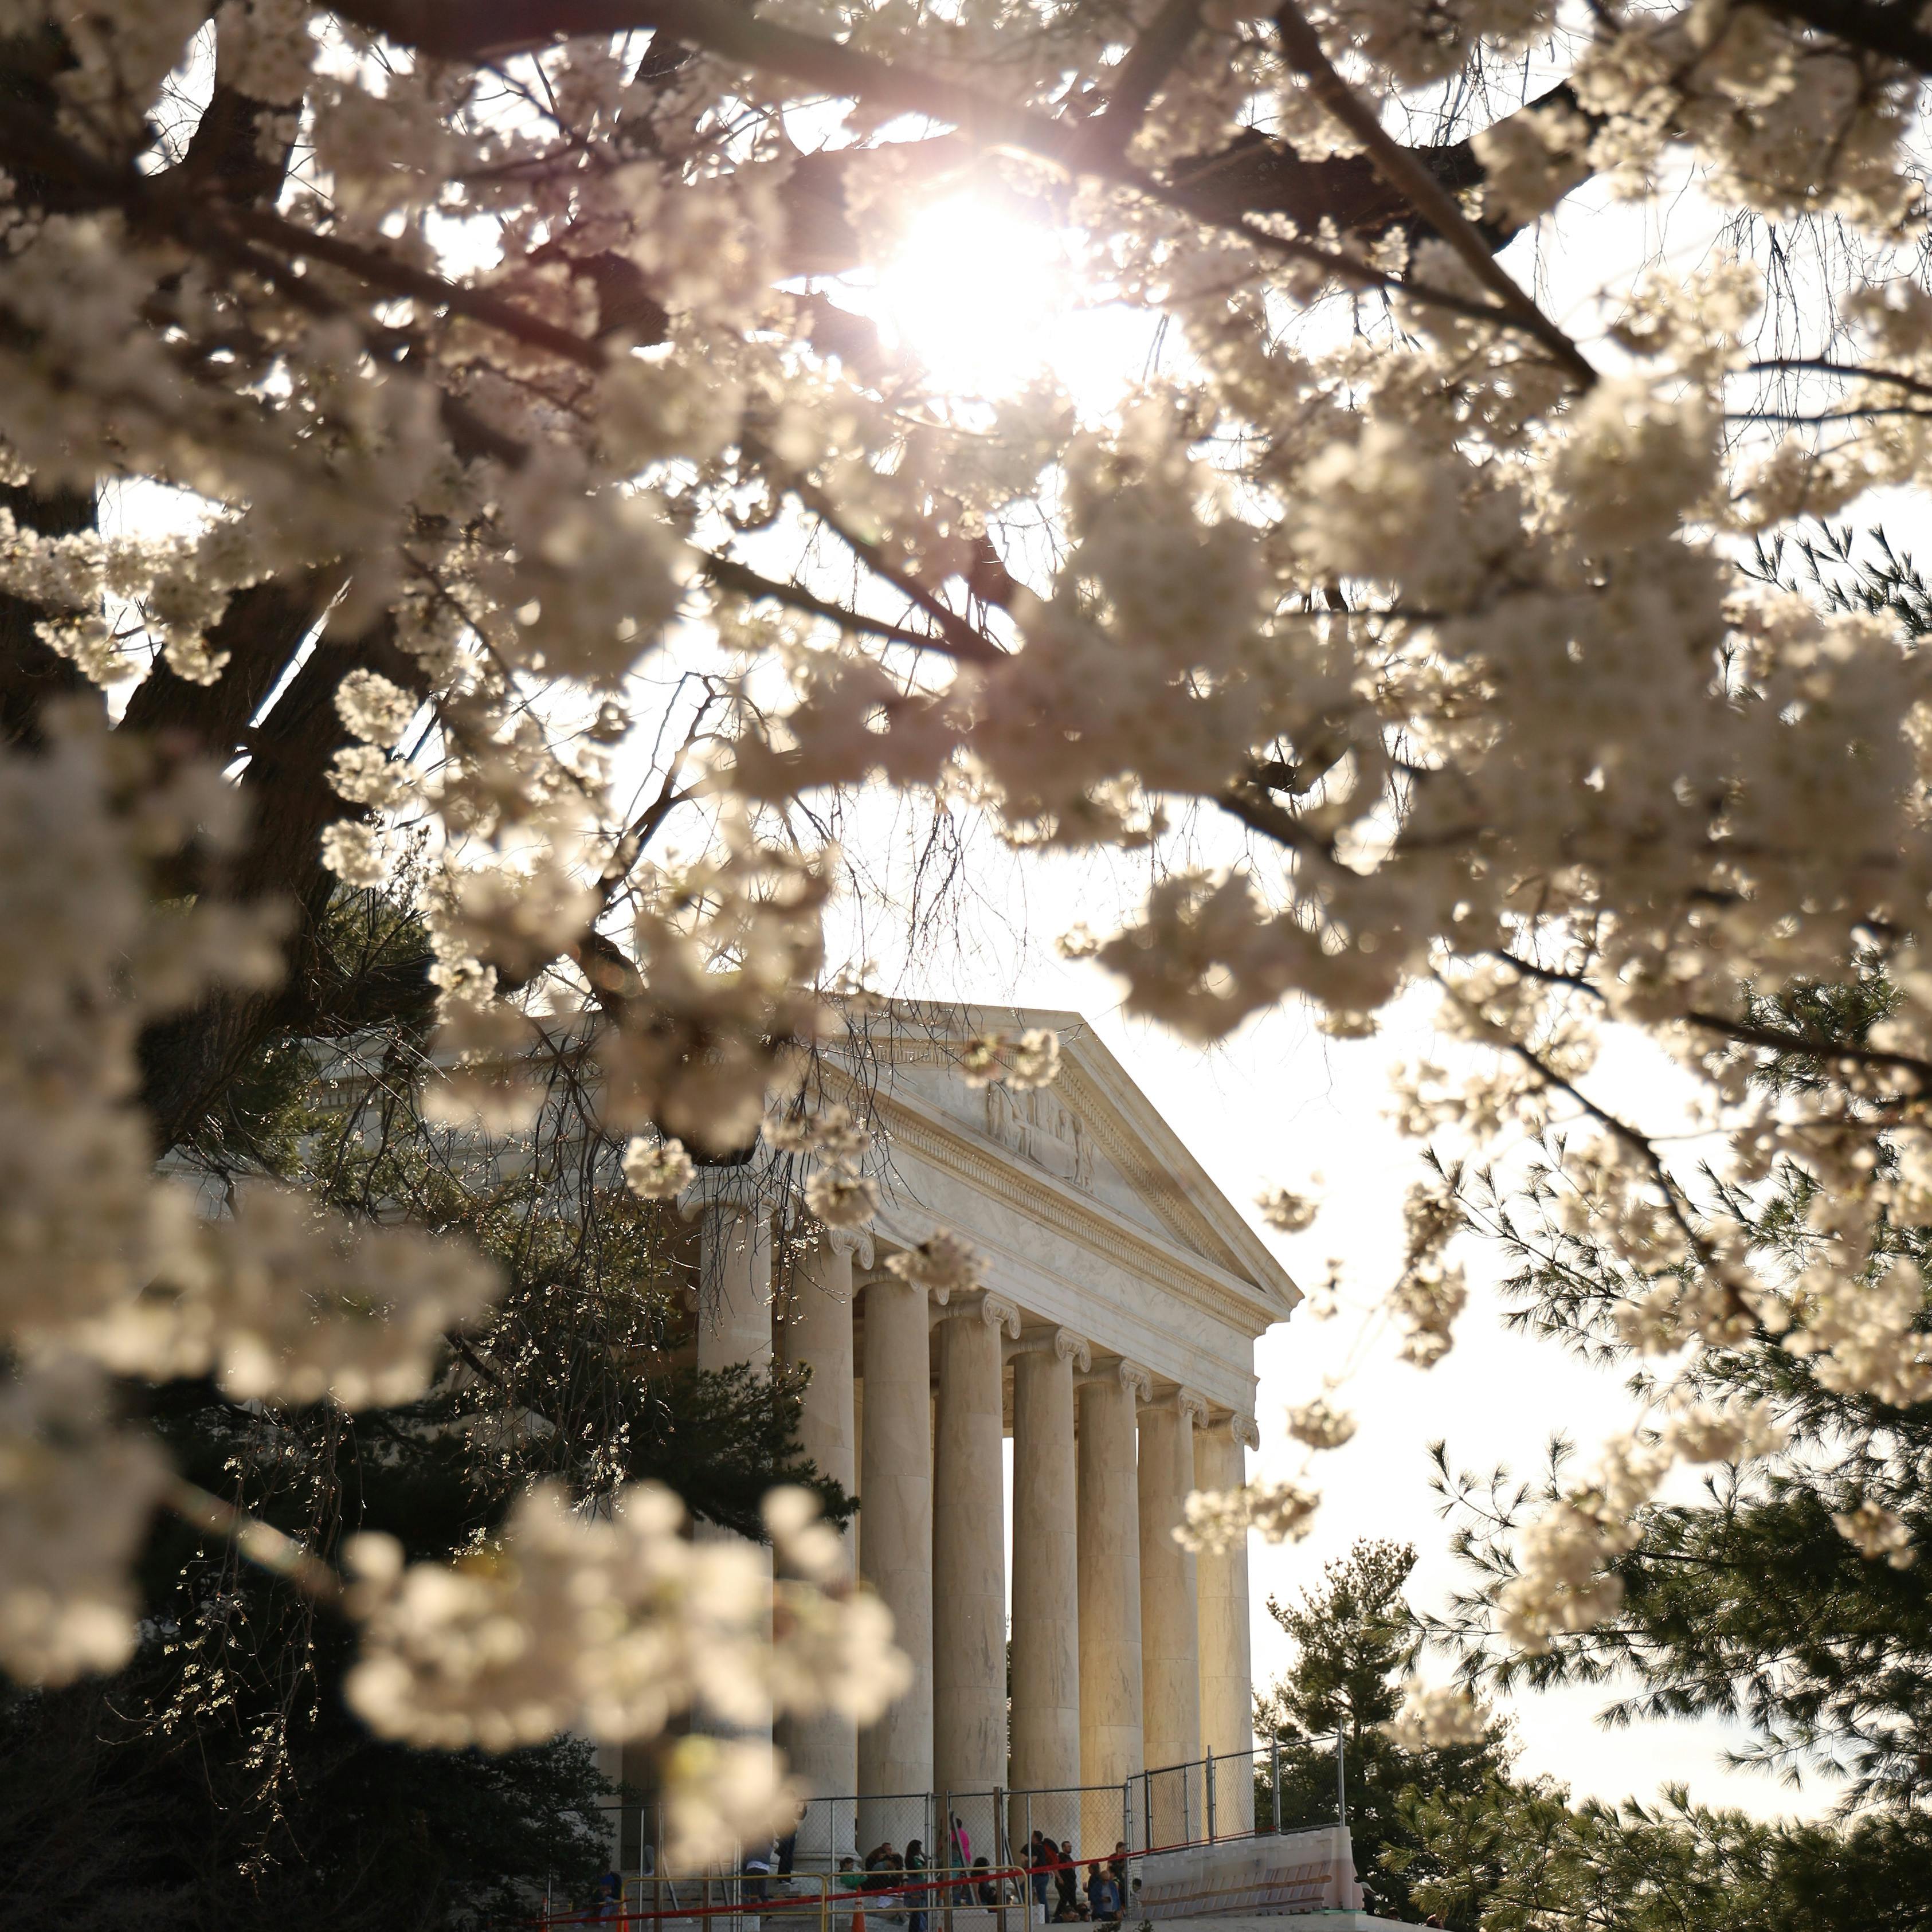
(477, 347)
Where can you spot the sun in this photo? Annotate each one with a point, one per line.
(980, 293)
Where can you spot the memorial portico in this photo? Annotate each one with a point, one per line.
(1112, 1340)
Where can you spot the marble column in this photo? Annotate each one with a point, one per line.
(969, 1567)
(816, 1334)
(734, 1316)
(1109, 1585)
(734, 1268)
(895, 1538)
(1221, 1585)
(1046, 1617)
(1170, 1630)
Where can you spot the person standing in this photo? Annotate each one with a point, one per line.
(959, 1857)
(916, 1900)
(1067, 1880)
(787, 1847)
(1039, 1876)
(1103, 1894)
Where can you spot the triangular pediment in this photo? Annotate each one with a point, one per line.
(1092, 1131)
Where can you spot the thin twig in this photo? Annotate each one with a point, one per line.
(259, 1543)
(730, 574)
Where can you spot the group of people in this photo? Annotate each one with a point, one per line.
(888, 1870)
(899, 1882)
(1052, 1866)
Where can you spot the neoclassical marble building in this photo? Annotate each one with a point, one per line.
(1113, 1342)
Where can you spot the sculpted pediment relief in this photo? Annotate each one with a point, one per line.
(1040, 1127)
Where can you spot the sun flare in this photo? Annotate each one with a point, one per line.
(980, 292)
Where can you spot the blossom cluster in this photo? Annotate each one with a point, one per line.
(1028, 1058)
(1564, 1582)
(1277, 1510)
(1434, 1716)
(837, 1191)
(612, 1626)
(944, 1263)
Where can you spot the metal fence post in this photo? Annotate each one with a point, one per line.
(1274, 1777)
(1341, 1777)
(943, 1860)
(1027, 1862)
(1208, 1775)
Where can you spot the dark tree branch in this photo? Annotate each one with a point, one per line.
(1876, 26)
(729, 575)
(478, 28)
(1162, 44)
(1778, 1040)
(1420, 189)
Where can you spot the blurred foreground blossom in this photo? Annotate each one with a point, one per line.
(611, 1625)
(1278, 1511)
(76, 1494)
(1432, 1717)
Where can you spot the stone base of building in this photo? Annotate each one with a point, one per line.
(1292, 1872)
(1295, 1921)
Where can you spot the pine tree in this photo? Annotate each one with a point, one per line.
(1750, 1603)
(1355, 1638)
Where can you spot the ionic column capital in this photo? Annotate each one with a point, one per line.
(1245, 1430)
(995, 1310)
(1069, 1347)
(857, 1242)
(1065, 1344)
(1138, 1381)
(1182, 1401)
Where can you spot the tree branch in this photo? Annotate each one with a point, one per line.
(1878, 28)
(1142, 75)
(258, 1542)
(1776, 1041)
(1423, 192)
(729, 575)
(468, 31)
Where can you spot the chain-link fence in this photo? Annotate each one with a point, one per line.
(963, 1861)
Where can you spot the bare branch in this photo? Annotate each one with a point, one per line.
(259, 1543)
(1145, 72)
(729, 575)
(1424, 193)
